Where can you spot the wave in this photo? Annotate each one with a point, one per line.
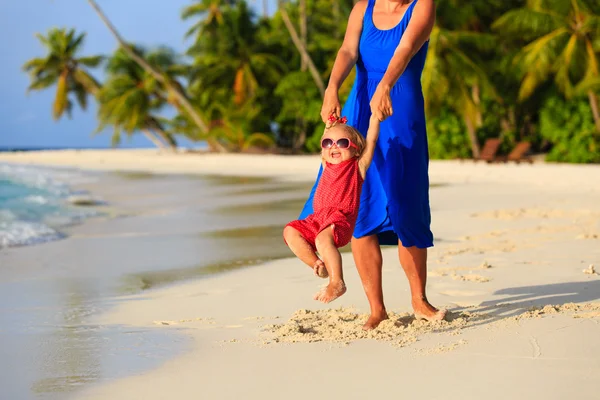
(34, 204)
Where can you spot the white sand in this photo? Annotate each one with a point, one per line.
(511, 241)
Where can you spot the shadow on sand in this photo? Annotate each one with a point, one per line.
(519, 300)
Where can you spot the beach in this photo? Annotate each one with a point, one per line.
(516, 262)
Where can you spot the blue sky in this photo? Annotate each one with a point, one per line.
(25, 119)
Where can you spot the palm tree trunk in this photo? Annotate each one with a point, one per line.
(302, 10)
(167, 138)
(157, 129)
(336, 15)
(594, 105)
(508, 123)
(299, 142)
(182, 99)
(301, 138)
(298, 43)
(477, 102)
(153, 139)
(475, 151)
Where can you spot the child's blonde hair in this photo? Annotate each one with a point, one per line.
(353, 134)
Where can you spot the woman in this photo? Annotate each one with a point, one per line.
(387, 41)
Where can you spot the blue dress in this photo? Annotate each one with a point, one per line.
(394, 202)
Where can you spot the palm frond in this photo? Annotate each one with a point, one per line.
(480, 41)
(72, 46)
(195, 29)
(586, 85)
(43, 82)
(258, 139)
(532, 79)
(34, 64)
(86, 80)
(562, 74)
(526, 23)
(592, 60)
(61, 101)
(91, 61)
(81, 96)
(194, 10)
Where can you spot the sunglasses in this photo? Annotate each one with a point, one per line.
(342, 143)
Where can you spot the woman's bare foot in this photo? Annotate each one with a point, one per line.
(331, 292)
(320, 270)
(374, 320)
(424, 310)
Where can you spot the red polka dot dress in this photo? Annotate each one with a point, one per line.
(335, 203)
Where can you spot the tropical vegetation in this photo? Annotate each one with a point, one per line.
(518, 70)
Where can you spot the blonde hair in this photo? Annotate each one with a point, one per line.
(353, 134)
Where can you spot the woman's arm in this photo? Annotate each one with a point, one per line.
(344, 61)
(416, 34)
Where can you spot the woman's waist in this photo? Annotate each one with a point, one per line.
(407, 79)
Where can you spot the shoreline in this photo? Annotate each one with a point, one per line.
(294, 168)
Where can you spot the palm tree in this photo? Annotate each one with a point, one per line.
(131, 95)
(452, 75)
(210, 13)
(62, 67)
(235, 64)
(173, 88)
(563, 38)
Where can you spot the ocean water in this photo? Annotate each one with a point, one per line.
(34, 204)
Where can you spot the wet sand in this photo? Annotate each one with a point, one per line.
(156, 230)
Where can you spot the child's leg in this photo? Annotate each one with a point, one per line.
(333, 261)
(304, 251)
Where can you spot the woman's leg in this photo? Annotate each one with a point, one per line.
(414, 263)
(368, 259)
(327, 249)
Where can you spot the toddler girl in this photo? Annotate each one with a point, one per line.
(346, 156)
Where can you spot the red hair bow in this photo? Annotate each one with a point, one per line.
(332, 118)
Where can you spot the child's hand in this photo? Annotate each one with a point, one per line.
(374, 120)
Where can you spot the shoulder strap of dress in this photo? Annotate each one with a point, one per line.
(411, 7)
(408, 14)
(369, 9)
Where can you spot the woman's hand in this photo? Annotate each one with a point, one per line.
(381, 103)
(331, 105)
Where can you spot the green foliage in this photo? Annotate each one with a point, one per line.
(560, 38)
(495, 68)
(569, 127)
(446, 136)
(234, 130)
(236, 63)
(300, 98)
(131, 98)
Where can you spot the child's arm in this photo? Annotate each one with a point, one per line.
(367, 154)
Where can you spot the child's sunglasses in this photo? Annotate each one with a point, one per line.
(342, 143)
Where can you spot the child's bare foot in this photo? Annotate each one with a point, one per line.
(320, 270)
(374, 320)
(331, 292)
